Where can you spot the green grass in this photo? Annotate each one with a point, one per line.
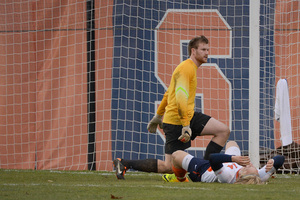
(43, 185)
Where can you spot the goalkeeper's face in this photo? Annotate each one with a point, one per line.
(201, 53)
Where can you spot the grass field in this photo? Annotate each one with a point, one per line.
(43, 185)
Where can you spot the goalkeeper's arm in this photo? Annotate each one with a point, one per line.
(157, 119)
(152, 125)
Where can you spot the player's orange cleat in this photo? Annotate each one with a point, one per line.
(172, 178)
(120, 168)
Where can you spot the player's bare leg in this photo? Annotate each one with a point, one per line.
(166, 165)
(231, 144)
(220, 134)
(179, 173)
(219, 130)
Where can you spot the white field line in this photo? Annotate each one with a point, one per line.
(129, 186)
(103, 186)
(107, 173)
(128, 173)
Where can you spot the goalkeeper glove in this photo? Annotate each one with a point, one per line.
(186, 133)
(152, 125)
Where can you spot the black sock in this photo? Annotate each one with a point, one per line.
(212, 147)
(148, 165)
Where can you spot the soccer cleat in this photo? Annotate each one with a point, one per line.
(172, 178)
(120, 168)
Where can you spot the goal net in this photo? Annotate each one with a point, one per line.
(279, 82)
(81, 79)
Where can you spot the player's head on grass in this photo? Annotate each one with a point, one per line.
(248, 175)
(250, 179)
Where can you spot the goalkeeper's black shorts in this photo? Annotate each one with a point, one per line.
(173, 132)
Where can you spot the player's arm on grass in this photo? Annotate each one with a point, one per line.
(271, 167)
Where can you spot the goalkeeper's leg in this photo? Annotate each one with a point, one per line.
(221, 133)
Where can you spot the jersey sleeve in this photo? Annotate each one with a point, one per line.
(164, 102)
(216, 160)
(182, 80)
(278, 162)
(264, 176)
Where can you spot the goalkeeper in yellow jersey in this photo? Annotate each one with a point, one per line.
(181, 123)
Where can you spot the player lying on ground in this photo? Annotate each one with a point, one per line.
(230, 167)
(181, 123)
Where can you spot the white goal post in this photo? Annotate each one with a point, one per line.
(254, 66)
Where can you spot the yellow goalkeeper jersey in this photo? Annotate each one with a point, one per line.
(178, 102)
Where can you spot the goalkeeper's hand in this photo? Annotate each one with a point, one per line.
(186, 133)
(152, 125)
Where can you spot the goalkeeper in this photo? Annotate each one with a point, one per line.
(180, 123)
(230, 167)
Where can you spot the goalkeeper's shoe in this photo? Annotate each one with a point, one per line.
(173, 178)
(120, 168)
